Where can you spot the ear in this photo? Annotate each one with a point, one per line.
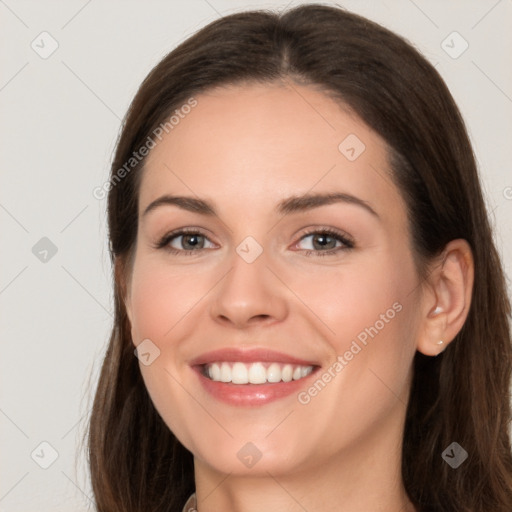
(447, 298)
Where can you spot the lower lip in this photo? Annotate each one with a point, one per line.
(251, 394)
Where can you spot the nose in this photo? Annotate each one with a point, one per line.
(248, 295)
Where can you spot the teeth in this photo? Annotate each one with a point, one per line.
(225, 373)
(255, 373)
(214, 372)
(274, 373)
(239, 374)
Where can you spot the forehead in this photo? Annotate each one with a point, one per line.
(262, 142)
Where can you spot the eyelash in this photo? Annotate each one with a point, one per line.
(339, 236)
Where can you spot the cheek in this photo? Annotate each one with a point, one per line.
(367, 315)
(160, 298)
(348, 301)
(365, 388)
(150, 312)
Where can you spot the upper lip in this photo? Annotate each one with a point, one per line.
(249, 356)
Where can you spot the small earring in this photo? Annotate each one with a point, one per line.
(440, 342)
(437, 310)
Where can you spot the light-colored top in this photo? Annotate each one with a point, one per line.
(191, 504)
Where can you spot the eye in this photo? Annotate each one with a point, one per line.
(325, 242)
(320, 242)
(185, 241)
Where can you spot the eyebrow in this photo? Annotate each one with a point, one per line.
(292, 204)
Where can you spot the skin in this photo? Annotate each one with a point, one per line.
(246, 148)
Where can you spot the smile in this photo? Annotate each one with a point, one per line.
(255, 373)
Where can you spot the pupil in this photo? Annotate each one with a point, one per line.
(186, 241)
(323, 241)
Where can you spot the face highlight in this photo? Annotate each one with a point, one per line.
(268, 220)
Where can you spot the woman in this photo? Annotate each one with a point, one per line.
(306, 273)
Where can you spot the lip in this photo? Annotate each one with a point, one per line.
(250, 395)
(252, 355)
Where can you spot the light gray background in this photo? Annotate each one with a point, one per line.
(60, 119)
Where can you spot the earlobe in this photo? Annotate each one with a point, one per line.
(447, 299)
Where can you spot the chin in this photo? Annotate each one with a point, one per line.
(243, 466)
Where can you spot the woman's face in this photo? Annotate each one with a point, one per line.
(272, 271)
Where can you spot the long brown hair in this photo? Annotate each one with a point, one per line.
(462, 396)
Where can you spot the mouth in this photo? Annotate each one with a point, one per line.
(252, 376)
(259, 372)
(253, 385)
